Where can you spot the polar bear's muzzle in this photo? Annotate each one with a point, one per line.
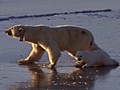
(79, 58)
(16, 33)
(8, 32)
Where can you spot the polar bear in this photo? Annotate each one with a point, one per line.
(53, 40)
(95, 58)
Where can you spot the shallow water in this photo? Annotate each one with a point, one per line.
(61, 78)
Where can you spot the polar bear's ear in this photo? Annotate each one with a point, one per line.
(21, 33)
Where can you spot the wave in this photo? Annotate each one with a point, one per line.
(52, 14)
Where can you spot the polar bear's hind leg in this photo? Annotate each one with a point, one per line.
(112, 62)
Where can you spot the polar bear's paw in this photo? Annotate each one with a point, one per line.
(88, 65)
(79, 63)
(25, 62)
(50, 66)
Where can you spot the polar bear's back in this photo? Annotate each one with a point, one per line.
(100, 55)
(79, 38)
(68, 37)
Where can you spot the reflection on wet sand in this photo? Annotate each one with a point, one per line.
(79, 79)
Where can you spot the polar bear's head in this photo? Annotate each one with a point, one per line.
(81, 55)
(16, 32)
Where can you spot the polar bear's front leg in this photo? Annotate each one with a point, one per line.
(35, 55)
(80, 63)
(53, 53)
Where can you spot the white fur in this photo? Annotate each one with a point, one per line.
(53, 40)
(96, 57)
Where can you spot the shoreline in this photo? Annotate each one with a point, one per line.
(53, 14)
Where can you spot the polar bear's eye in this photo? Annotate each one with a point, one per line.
(20, 29)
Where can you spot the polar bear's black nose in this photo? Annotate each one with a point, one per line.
(8, 32)
(79, 59)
